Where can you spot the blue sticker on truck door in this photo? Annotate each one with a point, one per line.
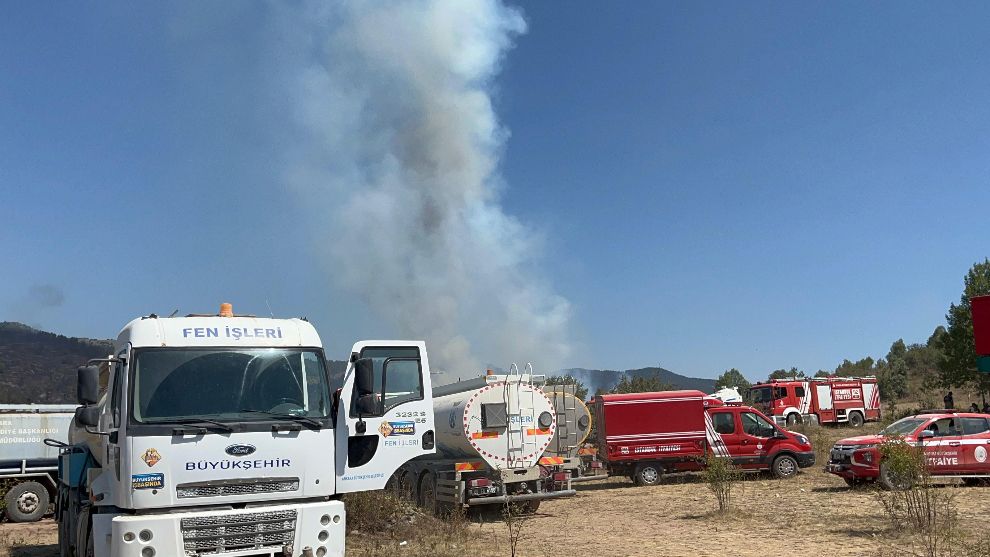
(147, 481)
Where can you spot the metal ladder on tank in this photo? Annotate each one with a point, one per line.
(519, 444)
(566, 428)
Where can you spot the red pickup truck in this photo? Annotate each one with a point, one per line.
(956, 444)
(645, 435)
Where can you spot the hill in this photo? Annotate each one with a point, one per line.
(605, 379)
(40, 367)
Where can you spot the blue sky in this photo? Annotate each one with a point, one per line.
(753, 186)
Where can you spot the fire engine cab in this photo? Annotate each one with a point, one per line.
(827, 400)
(956, 444)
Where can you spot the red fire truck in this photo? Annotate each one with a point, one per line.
(827, 400)
(645, 435)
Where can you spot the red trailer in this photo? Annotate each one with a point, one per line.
(826, 400)
(645, 435)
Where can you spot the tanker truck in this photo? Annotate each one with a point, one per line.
(573, 427)
(491, 433)
(219, 435)
(28, 465)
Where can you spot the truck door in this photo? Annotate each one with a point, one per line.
(826, 410)
(394, 422)
(724, 436)
(975, 445)
(943, 450)
(754, 440)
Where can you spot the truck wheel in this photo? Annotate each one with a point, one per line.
(407, 487)
(531, 507)
(793, 419)
(855, 483)
(428, 493)
(784, 466)
(648, 474)
(855, 419)
(892, 481)
(974, 482)
(26, 502)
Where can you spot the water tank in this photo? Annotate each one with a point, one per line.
(573, 421)
(505, 420)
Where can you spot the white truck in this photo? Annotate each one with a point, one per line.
(219, 435)
(28, 465)
(492, 432)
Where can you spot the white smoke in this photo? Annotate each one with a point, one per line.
(400, 143)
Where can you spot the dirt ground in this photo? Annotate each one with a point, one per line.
(813, 514)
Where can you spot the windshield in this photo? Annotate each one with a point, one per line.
(904, 426)
(761, 394)
(228, 384)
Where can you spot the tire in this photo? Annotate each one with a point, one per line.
(428, 494)
(648, 474)
(531, 507)
(784, 466)
(26, 502)
(975, 482)
(855, 419)
(407, 487)
(855, 483)
(793, 419)
(889, 481)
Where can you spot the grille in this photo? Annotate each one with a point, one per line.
(841, 453)
(218, 534)
(236, 487)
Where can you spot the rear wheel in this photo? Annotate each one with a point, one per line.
(784, 466)
(648, 474)
(793, 419)
(428, 496)
(428, 493)
(855, 419)
(26, 502)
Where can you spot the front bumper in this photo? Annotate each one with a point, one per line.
(252, 531)
(854, 462)
(805, 460)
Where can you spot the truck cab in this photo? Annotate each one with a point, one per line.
(753, 442)
(219, 435)
(955, 444)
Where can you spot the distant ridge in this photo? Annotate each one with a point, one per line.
(40, 367)
(605, 379)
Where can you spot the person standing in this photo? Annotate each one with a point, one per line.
(949, 403)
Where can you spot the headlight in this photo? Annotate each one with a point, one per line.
(802, 439)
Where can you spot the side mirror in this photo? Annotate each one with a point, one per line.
(369, 405)
(87, 385)
(926, 434)
(364, 377)
(88, 416)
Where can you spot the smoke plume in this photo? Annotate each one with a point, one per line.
(400, 138)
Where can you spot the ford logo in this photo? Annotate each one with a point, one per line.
(240, 450)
